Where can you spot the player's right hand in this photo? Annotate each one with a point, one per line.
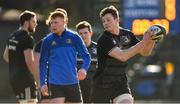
(44, 90)
(81, 74)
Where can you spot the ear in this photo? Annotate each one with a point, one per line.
(66, 20)
(25, 23)
(117, 19)
(91, 34)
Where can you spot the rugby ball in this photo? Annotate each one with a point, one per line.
(159, 32)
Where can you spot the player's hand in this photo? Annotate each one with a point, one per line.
(44, 90)
(148, 35)
(81, 74)
(147, 38)
(158, 31)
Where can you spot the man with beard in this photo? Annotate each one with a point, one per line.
(24, 76)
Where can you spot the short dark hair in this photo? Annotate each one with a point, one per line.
(26, 16)
(111, 9)
(84, 24)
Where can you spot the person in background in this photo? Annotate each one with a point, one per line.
(84, 29)
(58, 62)
(115, 47)
(19, 54)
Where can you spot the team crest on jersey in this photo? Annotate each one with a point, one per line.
(68, 41)
(53, 43)
(114, 42)
(126, 40)
(94, 50)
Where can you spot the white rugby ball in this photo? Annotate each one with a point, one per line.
(159, 32)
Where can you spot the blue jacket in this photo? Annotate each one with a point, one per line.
(59, 56)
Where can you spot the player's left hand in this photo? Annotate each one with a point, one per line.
(81, 74)
(147, 39)
(158, 31)
(147, 36)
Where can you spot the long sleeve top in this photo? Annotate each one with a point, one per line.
(58, 58)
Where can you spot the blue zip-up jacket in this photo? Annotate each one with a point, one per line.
(59, 56)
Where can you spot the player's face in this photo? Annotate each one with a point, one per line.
(57, 25)
(109, 22)
(32, 24)
(85, 34)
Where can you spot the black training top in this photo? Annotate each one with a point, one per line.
(17, 43)
(92, 49)
(38, 46)
(106, 42)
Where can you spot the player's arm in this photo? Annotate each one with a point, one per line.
(43, 62)
(154, 34)
(6, 55)
(29, 58)
(82, 50)
(149, 46)
(36, 61)
(124, 55)
(37, 55)
(146, 51)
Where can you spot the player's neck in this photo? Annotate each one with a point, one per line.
(59, 33)
(23, 28)
(88, 43)
(116, 31)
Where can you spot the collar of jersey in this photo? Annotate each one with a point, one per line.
(63, 33)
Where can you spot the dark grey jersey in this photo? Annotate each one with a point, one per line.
(17, 43)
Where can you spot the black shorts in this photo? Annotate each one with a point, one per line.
(27, 93)
(86, 90)
(105, 95)
(70, 92)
